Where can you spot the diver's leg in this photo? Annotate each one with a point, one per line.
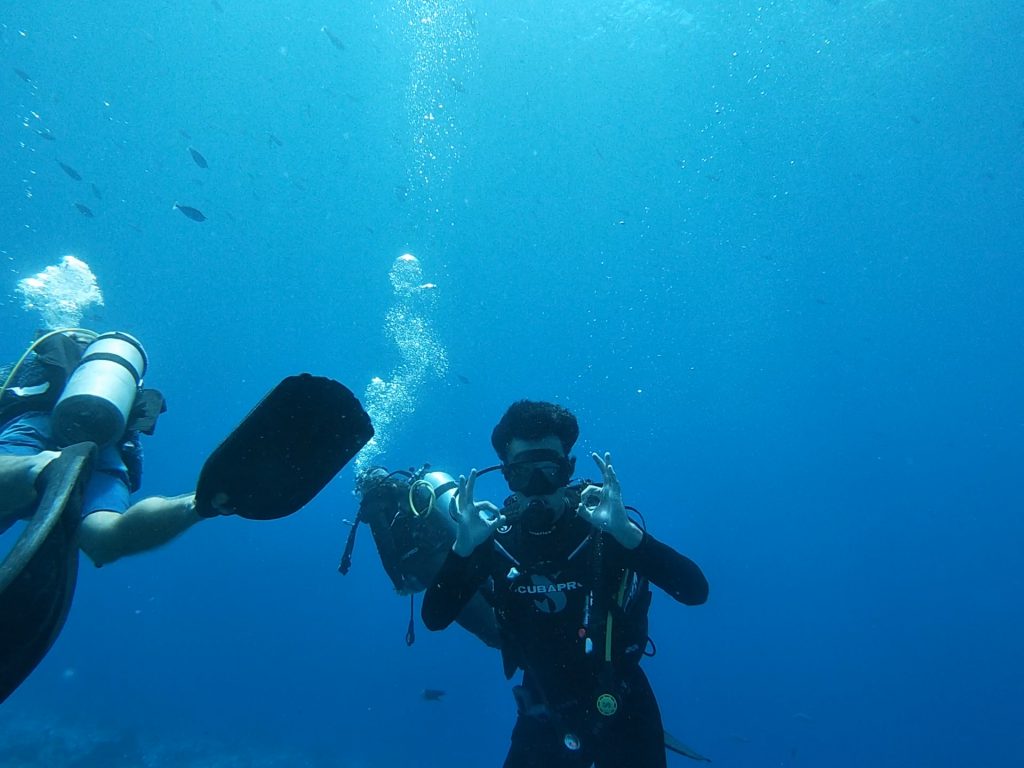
(108, 534)
(636, 740)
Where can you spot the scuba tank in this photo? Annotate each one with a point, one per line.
(434, 492)
(98, 398)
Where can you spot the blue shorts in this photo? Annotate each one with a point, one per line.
(107, 488)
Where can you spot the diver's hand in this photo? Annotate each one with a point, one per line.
(18, 478)
(602, 506)
(476, 520)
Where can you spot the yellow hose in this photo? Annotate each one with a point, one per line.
(412, 501)
(608, 625)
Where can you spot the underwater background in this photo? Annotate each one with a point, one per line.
(769, 253)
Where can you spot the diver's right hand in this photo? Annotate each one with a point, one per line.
(19, 476)
(476, 520)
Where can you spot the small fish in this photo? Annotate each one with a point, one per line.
(85, 211)
(274, 141)
(432, 694)
(185, 134)
(463, 379)
(70, 171)
(193, 213)
(96, 191)
(335, 40)
(217, 6)
(198, 158)
(23, 75)
(47, 134)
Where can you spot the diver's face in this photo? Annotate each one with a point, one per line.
(538, 471)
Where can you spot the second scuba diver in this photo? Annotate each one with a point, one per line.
(408, 515)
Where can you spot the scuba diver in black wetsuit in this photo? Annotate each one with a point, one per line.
(567, 572)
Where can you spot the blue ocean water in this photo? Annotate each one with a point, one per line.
(769, 253)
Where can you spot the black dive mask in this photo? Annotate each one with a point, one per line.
(539, 472)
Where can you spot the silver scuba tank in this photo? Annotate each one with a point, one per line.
(434, 492)
(99, 395)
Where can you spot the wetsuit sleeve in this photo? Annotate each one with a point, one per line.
(454, 585)
(676, 574)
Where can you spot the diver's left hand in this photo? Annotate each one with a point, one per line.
(602, 506)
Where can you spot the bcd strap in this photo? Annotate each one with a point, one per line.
(117, 360)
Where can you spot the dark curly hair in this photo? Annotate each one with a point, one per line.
(532, 420)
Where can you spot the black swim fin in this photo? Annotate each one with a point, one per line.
(38, 575)
(285, 451)
(672, 744)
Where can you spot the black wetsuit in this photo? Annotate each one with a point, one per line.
(552, 593)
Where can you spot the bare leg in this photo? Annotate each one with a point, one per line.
(18, 477)
(107, 536)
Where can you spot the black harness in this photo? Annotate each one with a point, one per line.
(610, 620)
